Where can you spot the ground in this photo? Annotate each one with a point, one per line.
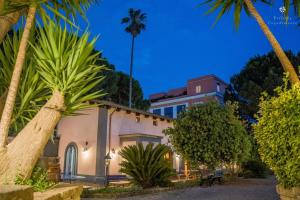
(250, 189)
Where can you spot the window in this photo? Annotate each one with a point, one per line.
(180, 108)
(218, 87)
(198, 89)
(157, 111)
(154, 122)
(169, 112)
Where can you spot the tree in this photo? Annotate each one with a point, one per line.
(249, 8)
(210, 134)
(32, 94)
(277, 133)
(11, 11)
(15, 79)
(67, 66)
(146, 165)
(260, 74)
(136, 24)
(115, 86)
(69, 7)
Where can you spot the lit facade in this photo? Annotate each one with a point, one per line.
(198, 90)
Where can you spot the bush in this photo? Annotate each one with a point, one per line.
(254, 169)
(277, 134)
(38, 180)
(147, 166)
(210, 134)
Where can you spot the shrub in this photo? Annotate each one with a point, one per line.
(38, 180)
(254, 169)
(147, 166)
(277, 134)
(210, 134)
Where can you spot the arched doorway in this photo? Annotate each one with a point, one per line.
(70, 168)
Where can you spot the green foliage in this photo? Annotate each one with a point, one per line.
(277, 134)
(32, 92)
(68, 64)
(115, 85)
(261, 74)
(237, 6)
(136, 22)
(38, 180)
(210, 134)
(56, 60)
(68, 10)
(147, 166)
(254, 169)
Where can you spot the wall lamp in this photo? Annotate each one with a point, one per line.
(85, 148)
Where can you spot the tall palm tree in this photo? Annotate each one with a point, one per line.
(248, 7)
(69, 7)
(136, 23)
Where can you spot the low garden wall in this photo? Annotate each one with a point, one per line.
(288, 194)
(17, 192)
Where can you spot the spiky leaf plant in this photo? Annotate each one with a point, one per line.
(32, 93)
(68, 64)
(147, 166)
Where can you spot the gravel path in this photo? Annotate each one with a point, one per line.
(250, 189)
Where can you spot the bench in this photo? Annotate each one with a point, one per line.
(217, 176)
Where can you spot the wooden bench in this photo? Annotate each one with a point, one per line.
(120, 183)
(217, 176)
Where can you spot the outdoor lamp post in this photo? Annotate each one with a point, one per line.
(107, 162)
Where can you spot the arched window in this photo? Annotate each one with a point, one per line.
(71, 155)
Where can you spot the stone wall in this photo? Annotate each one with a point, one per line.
(288, 194)
(61, 192)
(16, 192)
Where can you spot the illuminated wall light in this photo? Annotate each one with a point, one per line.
(85, 148)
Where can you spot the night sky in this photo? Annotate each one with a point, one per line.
(180, 43)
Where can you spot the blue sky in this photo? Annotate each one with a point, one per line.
(180, 42)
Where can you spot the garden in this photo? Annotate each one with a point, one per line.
(49, 69)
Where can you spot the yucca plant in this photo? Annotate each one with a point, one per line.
(147, 166)
(67, 66)
(32, 93)
(10, 12)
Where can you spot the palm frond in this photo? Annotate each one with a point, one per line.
(135, 20)
(32, 93)
(67, 63)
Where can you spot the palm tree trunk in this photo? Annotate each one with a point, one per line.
(284, 60)
(1, 6)
(2, 102)
(14, 83)
(23, 152)
(6, 23)
(131, 66)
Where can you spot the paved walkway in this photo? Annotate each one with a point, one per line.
(250, 189)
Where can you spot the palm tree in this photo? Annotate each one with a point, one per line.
(70, 7)
(15, 79)
(67, 67)
(247, 5)
(135, 22)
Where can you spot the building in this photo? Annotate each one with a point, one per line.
(198, 90)
(85, 140)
